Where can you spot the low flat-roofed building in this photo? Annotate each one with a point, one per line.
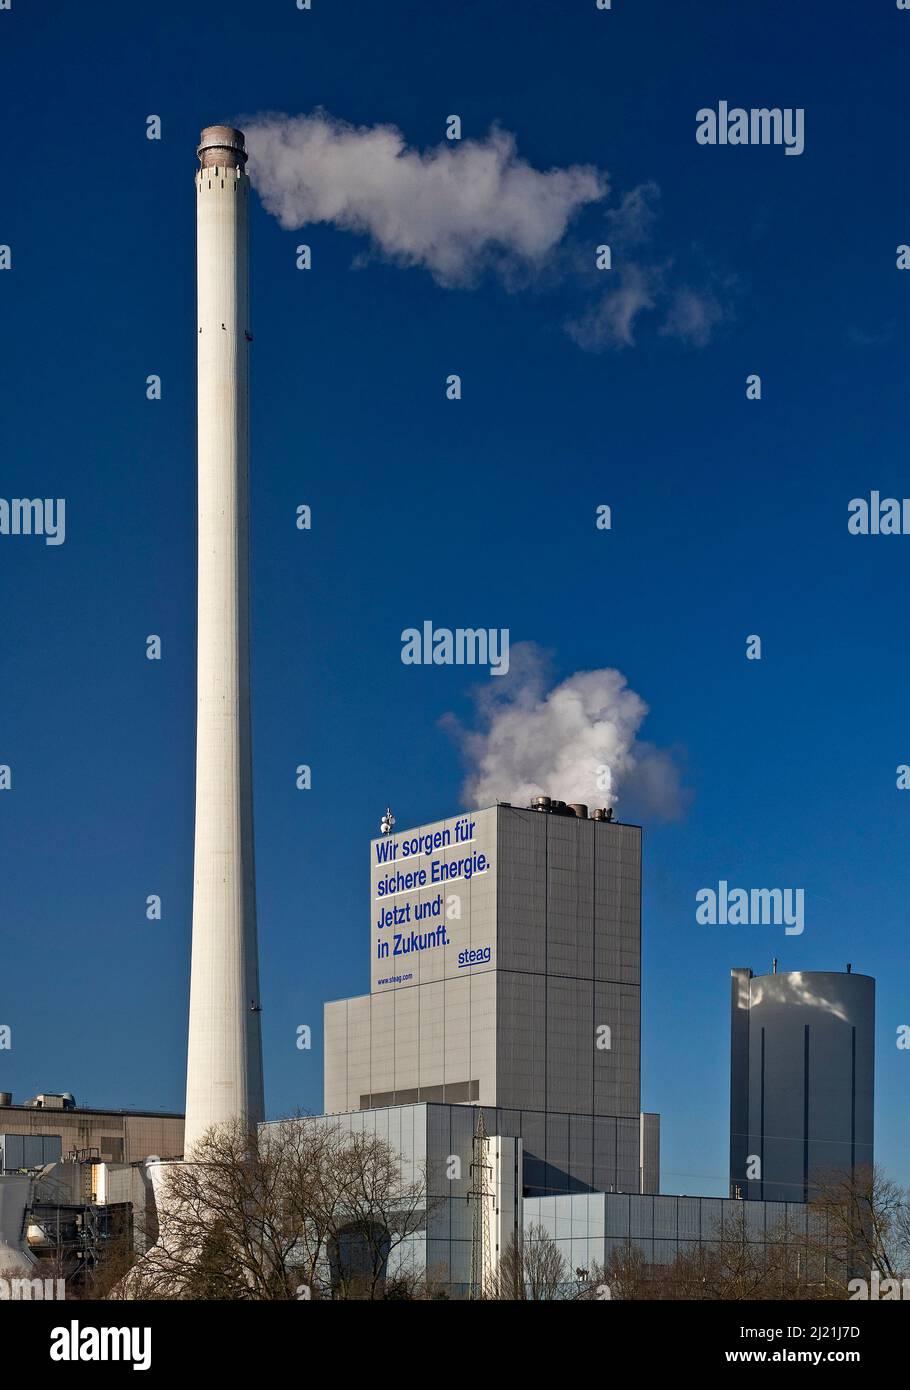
(434, 1145)
(119, 1136)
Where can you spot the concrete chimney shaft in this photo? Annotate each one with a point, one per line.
(224, 1060)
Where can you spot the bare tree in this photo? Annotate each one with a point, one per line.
(625, 1275)
(728, 1266)
(530, 1268)
(297, 1209)
(372, 1210)
(859, 1223)
(855, 1224)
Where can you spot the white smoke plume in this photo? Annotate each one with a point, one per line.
(454, 209)
(576, 740)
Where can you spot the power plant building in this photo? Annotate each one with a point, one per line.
(505, 984)
(506, 973)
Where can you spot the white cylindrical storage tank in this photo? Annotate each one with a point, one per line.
(802, 1081)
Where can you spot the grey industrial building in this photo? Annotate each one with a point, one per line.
(52, 1125)
(802, 1074)
(73, 1178)
(506, 972)
(588, 1227)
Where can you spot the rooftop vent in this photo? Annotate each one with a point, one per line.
(573, 808)
(52, 1100)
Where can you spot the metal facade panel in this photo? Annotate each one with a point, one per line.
(570, 896)
(522, 890)
(570, 1045)
(711, 1216)
(665, 1218)
(521, 1040)
(641, 1218)
(557, 1177)
(534, 1136)
(617, 903)
(605, 1168)
(617, 1216)
(616, 1070)
(581, 1151)
(689, 1219)
(13, 1151)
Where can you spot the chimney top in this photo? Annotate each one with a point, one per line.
(221, 146)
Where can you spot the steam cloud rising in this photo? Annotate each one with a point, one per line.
(532, 740)
(453, 209)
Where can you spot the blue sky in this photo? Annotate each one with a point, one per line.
(729, 516)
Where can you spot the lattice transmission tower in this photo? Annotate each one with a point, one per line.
(481, 1194)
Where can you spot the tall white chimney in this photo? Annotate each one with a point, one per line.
(224, 1062)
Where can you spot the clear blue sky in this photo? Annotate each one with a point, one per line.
(729, 516)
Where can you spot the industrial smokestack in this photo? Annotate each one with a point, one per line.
(224, 1061)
